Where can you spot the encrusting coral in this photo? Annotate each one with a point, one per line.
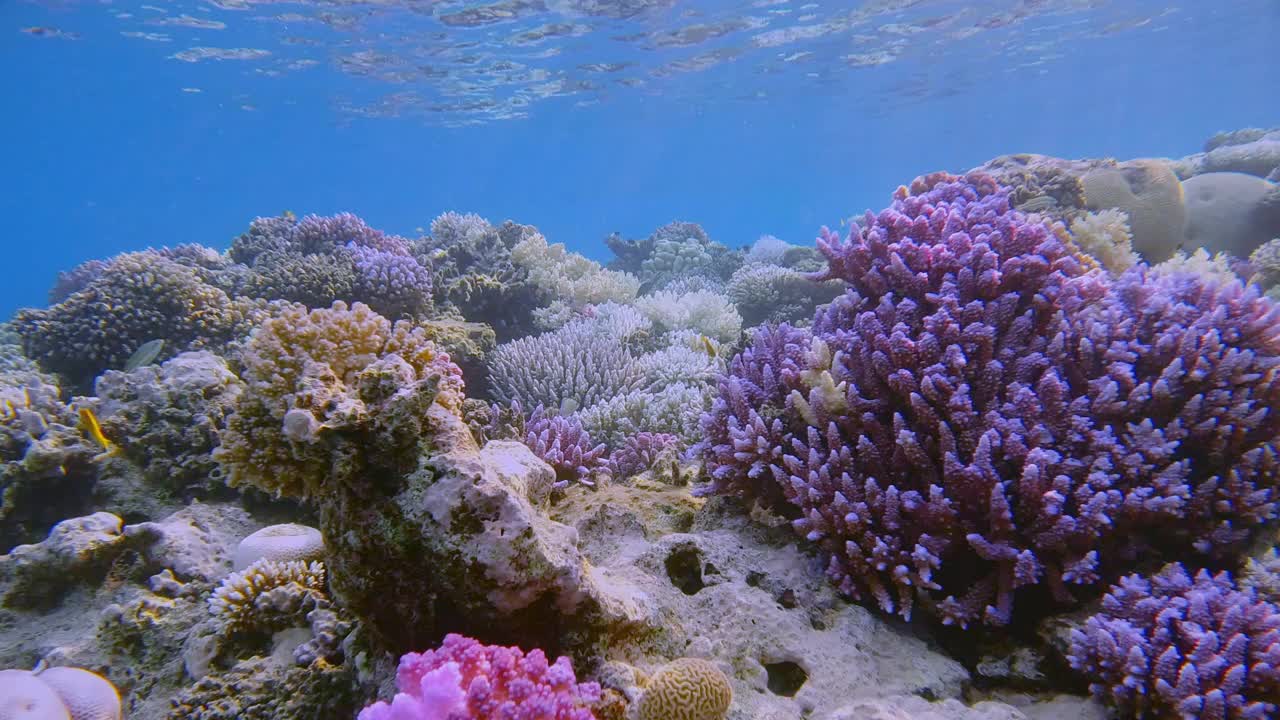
(978, 414)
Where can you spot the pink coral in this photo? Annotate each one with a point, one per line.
(464, 679)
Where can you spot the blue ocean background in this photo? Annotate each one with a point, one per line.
(109, 146)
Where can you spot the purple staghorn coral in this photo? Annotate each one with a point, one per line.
(641, 452)
(400, 284)
(464, 680)
(314, 233)
(563, 444)
(978, 413)
(1182, 647)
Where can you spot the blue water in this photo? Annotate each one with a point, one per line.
(400, 113)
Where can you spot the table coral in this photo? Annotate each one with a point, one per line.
(979, 414)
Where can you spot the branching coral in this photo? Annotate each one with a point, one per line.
(569, 276)
(268, 596)
(642, 451)
(582, 362)
(466, 680)
(329, 393)
(1178, 646)
(674, 409)
(1105, 235)
(978, 414)
(563, 444)
(705, 312)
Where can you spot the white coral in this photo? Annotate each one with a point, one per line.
(280, 543)
(569, 276)
(709, 313)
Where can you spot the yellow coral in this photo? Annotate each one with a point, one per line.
(686, 689)
(312, 374)
(1105, 236)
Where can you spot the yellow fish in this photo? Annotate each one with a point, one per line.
(89, 423)
(708, 345)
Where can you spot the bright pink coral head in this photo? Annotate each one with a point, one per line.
(465, 680)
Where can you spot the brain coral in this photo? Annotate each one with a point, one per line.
(686, 689)
(329, 392)
(977, 414)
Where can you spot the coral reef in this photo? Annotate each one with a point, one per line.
(136, 298)
(328, 392)
(474, 272)
(47, 468)
(569, 277)
(465, 679)
(769, 293)
(1182, 646)
(319, 260)
(168, 419)
(1002, 405)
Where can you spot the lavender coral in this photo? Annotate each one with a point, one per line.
(464, 679)
(317, 260)
(563, 444)
(979, 413)
(642, 451)
(1179, 646)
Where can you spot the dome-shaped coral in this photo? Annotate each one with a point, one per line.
(686, 689)
(24, 697)
(86, 695)
(280, 543)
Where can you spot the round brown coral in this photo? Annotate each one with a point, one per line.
(686, 689)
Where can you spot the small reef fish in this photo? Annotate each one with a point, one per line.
(89, 423)
(708, 346)
(49, 32)
(146, 354)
